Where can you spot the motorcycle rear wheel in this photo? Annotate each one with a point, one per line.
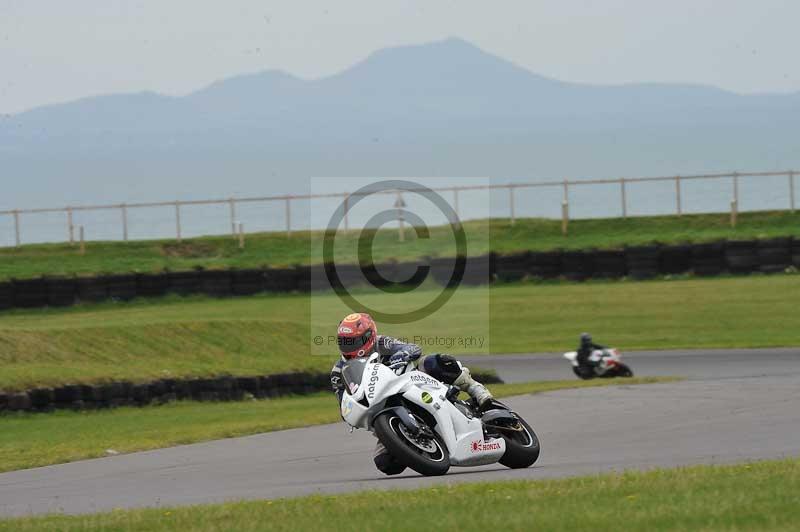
(426, 456)
(522, 447)
(583, 374)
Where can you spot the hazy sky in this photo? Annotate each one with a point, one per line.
(56, 50)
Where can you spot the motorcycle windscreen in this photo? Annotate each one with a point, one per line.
(352, 373)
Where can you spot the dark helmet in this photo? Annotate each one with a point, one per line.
(586, 338)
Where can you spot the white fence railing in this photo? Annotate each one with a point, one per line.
(19, 216)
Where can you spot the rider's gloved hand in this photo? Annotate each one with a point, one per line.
(399, 360)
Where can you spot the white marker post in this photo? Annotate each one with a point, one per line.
(178, 220)
(399, 204)
(16, 228)
(232, 205)
(70, 227)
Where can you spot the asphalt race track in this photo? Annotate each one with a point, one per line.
(704, 364)
(737, 405)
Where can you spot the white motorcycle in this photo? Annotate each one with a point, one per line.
(605, 363)
(424, 425)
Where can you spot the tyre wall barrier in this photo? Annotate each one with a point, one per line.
(741, 256)
(184, 283)
(796, 253)
(121, 287)
(216, 283)
(152, 285)
(476, 270)
(247, 282)
(513, 267)
(708, 259)
(92, 289)
(125, 393)
(30, 293)
(643, 262)
(675, 259)
(638, 262)
(775, 254)
(609, 264)
(577, 265)
(6, 296)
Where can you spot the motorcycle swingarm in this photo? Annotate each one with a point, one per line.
(489, 417)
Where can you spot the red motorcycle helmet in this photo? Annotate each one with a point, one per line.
(356, 335)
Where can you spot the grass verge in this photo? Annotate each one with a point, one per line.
(32, 440)
(277, 249)
(176, 337)
(755, 496)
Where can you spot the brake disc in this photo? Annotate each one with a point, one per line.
(428, 446)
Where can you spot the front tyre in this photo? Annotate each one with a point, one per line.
(522, 446)
(623, 370)
(426, 455)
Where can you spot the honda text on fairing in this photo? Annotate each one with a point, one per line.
(424, 425)
(604, 363)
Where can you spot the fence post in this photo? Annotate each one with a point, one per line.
(288, 218)
(124, 209)
(232, 204)
(791, 190)
(241, 235)
(455, 202)
(734, 212)
(70, 227)
(178, 220)
(511, 200)
(346, 209)
(564, 217)
(678, 194)
(624, 197)
(83, 242)
(566, 191)
(736, 187)
(399, 205)
(16, 227)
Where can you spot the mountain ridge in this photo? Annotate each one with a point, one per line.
(442, 108)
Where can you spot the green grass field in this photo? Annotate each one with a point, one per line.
(32, 440)
(304, 247)
(757, 496)
(175, 337)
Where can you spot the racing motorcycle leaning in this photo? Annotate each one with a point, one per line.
(605, 363)
(425, 426)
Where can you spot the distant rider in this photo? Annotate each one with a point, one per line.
(357, 336)
(585, 351)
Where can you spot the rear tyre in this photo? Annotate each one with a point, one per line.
(522, 447)
(584, 374)
(425, 455)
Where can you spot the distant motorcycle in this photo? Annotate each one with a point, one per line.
(606, 363)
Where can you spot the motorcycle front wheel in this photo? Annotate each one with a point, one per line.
(623, 370)
(426, 455)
